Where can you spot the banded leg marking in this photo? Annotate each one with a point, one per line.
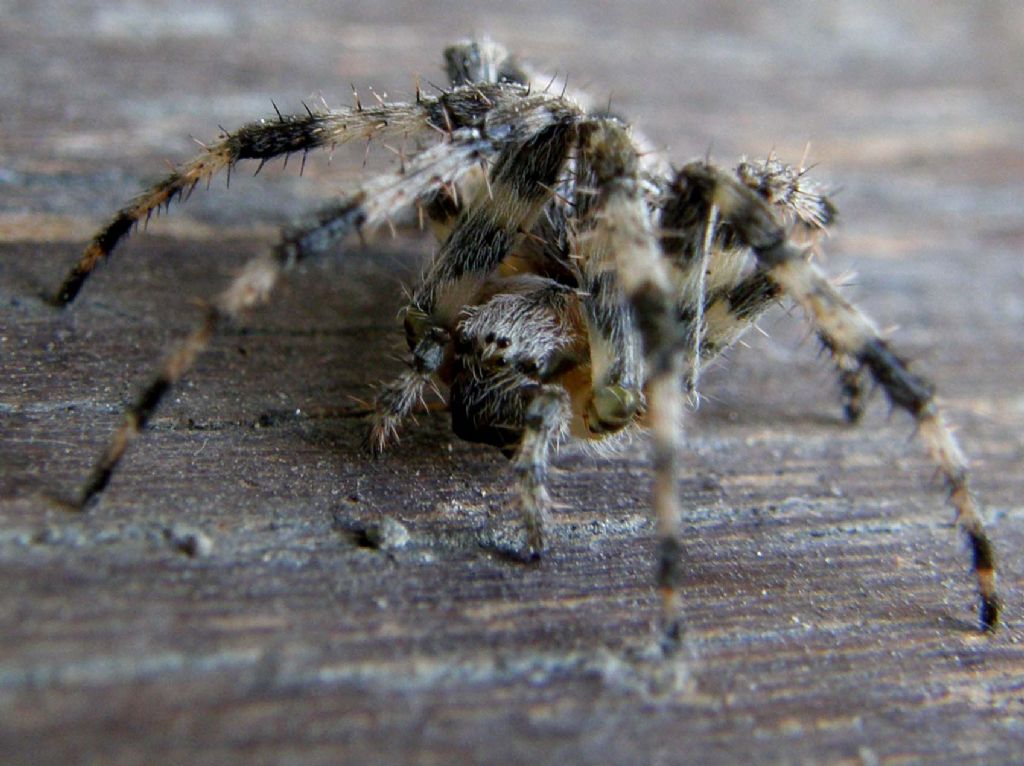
(850, 335)
(370, 207)
(500, 111)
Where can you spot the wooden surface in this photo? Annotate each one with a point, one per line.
(830, 612)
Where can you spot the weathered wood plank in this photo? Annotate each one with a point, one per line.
(829, 609)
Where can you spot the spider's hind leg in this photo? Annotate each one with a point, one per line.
(721, 296)
(262, 140)
(379, 199)
(856, 342)
(808, 213)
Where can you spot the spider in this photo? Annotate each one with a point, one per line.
(579, 286)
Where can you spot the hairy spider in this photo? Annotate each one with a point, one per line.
(578, 288)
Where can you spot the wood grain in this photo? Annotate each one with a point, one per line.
(829, 608)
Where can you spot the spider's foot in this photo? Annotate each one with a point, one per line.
(507, 543)
(660, 669)
(68, 290)
(383, 432)
(988, 613)
(534, 543)
(527, 555)
(984, 566)
(852, 412)
(394, 403)
(53, 300)
(60, 501)
(672, 637)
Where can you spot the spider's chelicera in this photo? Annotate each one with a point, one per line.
(578, 288)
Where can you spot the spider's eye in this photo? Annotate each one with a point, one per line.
(504, 343)
(489, 338)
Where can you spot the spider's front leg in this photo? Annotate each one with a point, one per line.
(622, 229)
(721, 296)
(856, 342)
(545, 421)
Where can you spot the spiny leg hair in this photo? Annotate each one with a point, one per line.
(501, 112)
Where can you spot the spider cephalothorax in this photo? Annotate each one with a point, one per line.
(578, 288)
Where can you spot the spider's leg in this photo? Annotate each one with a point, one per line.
(720, 291)
(733, 309)
(262, 140)
(623, 222)
(370, 207)
(849, 334)
(514, 353)
(805, 206)
(545, 421)
(526, 419)
(616, 353)
(810, 213)
(486, 231)
(499, 111)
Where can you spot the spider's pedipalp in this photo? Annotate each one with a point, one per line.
(545, 421)
(616, 353)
